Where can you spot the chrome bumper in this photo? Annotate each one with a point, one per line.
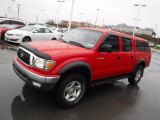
(30, 77)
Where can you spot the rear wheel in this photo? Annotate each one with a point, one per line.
(26, 39)
(71, 90)
(54, 39)
(136, 76)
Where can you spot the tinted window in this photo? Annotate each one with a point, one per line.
(40, 30)
(146, 46)
(127, 44)
(139, 45)
(5, 22)
(114, 41)
(142, 46)
(18, 23)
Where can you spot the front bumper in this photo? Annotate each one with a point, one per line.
(46, 83)
(13, 39)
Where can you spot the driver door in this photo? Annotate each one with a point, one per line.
(108, 64)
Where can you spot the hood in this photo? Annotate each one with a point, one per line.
(17, 31)
(57, 48)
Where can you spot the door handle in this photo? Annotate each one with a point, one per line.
(118, 58)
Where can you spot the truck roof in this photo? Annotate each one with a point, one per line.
(115, 32)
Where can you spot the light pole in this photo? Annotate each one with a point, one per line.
(137, 17)
(70, 20)
(12, 7)
(155, 29)
(103, 25)
(58, 21)
(18, 6)
(96, 18)
(80, 15)
(42, 15)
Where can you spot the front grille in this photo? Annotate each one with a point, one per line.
(24, 56)
(13, 39)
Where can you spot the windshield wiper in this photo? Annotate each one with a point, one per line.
(77, 44)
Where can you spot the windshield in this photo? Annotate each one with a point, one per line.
(4, 25)
(1, 19)
(28, 28)
(82, 37)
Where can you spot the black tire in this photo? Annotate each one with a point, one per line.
(66, 88)
(26, 39)
(54, 39)
(136, 75)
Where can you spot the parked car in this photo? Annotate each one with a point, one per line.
(29, 33)
(11, 21)
(5, 27)
(82, 58)
(59, 32)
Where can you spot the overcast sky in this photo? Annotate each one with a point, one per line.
(111, 11)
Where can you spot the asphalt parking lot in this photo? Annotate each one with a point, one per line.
(106, 102)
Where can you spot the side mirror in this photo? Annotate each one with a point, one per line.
(106, 48)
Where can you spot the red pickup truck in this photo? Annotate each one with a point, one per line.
(81, 58)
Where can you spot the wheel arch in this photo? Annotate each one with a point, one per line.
(142, 63)
(77, 67)
(27, 36)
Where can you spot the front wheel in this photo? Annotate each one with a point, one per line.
(26, 39)
(71, 90)
(136, 76)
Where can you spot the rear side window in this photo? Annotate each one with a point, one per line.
(146, 46)
(139, 46)
(46, 30)
(127, 44)
(142, 46)
(114, 41)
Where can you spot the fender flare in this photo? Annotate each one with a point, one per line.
(73, 65)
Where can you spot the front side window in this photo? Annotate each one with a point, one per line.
(127, 44)
(39, 30)
(113, 41)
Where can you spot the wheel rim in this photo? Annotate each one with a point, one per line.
(72, 91)
(138, 75)
(26, 39)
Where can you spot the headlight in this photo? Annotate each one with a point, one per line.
(18, 34)
(43, 64)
